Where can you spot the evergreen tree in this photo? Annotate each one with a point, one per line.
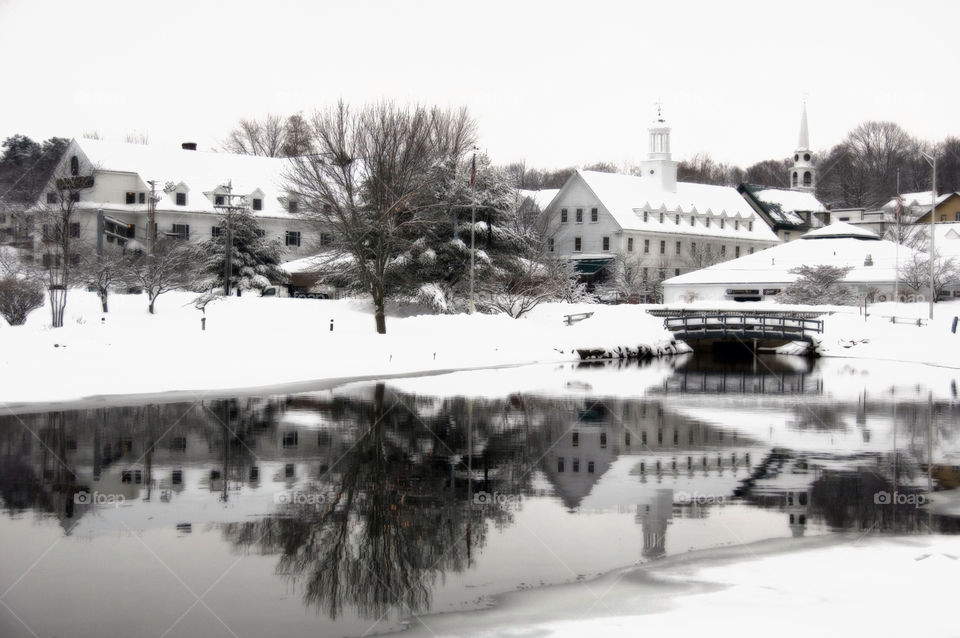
(255, 260)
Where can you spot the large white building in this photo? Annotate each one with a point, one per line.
(665, 226)
(188, 189)
(764, 275)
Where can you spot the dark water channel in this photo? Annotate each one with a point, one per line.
(351, 511)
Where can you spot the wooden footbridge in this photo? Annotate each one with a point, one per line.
(767, 328)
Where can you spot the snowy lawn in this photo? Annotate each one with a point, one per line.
(252, 342)
(858, 585)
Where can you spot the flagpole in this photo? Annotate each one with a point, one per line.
(473, 222)
(896, 263)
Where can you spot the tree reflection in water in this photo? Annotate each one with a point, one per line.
(379, 529)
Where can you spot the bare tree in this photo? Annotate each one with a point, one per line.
(265, 137)
(915, 272)
(819, 285)
(771, 173)
(371, 183)
(169, 267)
(136, 137)
(101, 274)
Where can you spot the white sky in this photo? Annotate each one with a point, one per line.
(557, 83)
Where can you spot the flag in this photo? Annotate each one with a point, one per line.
(473, 172)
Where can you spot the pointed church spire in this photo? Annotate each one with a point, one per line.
(803, 144)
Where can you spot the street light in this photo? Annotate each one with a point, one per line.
(933, 205)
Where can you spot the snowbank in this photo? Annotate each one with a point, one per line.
(262, 343)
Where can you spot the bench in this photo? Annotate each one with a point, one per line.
(577, 316)
(911, 320)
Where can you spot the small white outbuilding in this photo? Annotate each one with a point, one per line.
(763, 275)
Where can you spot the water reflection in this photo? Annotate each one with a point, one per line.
(373, 502)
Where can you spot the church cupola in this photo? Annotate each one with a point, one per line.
(659, 166)
(803, 174)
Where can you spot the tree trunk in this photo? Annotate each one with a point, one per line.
(152, 301)
(103, 300)
(378, 312)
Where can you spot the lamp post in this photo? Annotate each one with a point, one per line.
(933, 206)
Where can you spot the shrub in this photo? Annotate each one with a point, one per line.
(18, 297)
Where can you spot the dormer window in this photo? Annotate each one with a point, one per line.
(292, 206)
(736, 224)
(257, 203)
(218, 200)
(676, 220)
(750, 226)
(693, 220)
(723, 223)
(181, 199)
(644, 215)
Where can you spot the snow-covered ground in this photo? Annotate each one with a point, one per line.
(857, 585)
(252, 343)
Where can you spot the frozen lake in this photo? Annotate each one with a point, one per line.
(359, 509)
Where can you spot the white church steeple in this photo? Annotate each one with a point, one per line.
(803, 174)
(659, 166)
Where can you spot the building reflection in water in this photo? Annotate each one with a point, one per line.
(367, 497)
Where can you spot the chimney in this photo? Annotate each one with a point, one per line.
(189, 146)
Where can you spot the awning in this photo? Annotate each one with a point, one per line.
(591, 266)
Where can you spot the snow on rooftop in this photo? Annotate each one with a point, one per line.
(834, 246)
(200, 172)
(786, 203)
(917, 200)
(627, 197)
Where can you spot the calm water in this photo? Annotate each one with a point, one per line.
(352, 511)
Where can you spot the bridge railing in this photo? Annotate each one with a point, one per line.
(723, 323)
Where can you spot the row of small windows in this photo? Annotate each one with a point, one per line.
(707, 221)
(561, 465)
(678, 246)
(578, 215)
(807, 178)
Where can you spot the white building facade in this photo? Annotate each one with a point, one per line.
(187, 193)
(664, 226)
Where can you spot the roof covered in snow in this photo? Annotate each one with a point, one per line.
(197, 173)
(833, 246)
(839, 230)
(919, 200)
(541, 198)
(782, 205)
(627, 198)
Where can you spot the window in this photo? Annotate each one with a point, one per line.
(216, 231)
(676, 220)
(794, 178)
(606, 243)
(693, 248)
(943, 218)
(74, 230)
(786, 236)
(626, 439)
(590, 467)
(290, 439)
(577, 243)
(257, 203)
(181, 199)
(575, 439)
(723, 223)
(645, 215)
(181, 231)
(693, 221)
(593, 214)
(751, 250)
(661, 274)
(288, 470)
(723, 250)
(131, 197)
(956, 217)
(550, 244)
(663, 246)
(750, 226)
(646, 246)
(142, 198)
(178, 444)
(736, 251)
(292, 206)
(293, 238)
(736, 224)
(563, 215)
(576, 465)
(51, 198)
(579, 216)
(560, 464)
(661, 218)
(74, 165)
(629, 244)
(677, 249)
(645, 273)
(807, 178)
(603, 439)
(326, 239)
(74, 259)
(218, 200)
(176, 477)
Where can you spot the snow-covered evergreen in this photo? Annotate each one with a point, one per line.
(255, 260)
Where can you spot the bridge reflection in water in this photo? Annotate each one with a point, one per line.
(730, 382)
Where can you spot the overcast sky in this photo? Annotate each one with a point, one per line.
(555, 83)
